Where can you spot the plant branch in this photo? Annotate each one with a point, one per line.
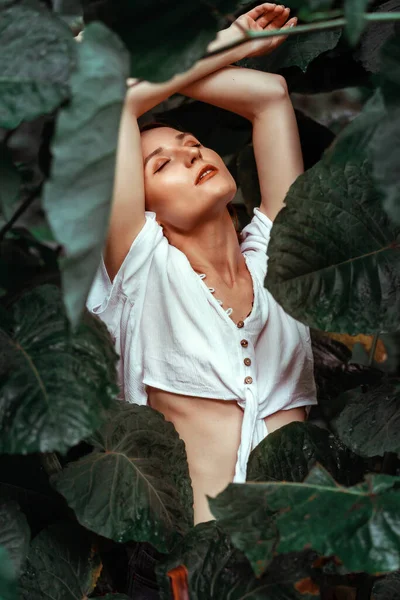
(322, 26)
(373, 349)
(20, 210)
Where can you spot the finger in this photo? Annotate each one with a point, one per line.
(269, 16)
(259, 10)
(280, 19)
(281, 38)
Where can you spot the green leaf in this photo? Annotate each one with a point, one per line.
(77, 198)
(370, 419)
(297, 51)
(334, 256)
(386, 162)
(10, 184)
(318, 514)
(169, 44)
(217, 570)
(8, 582)
(113, 597)
(387, 588)
(37, 57)
(62, 560)
(54, 386)
(14, 534)
(139, 486)
(354, 141)
(390, 69)
(355, 23)
(289, 453)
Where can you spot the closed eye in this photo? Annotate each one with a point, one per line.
(161, 167)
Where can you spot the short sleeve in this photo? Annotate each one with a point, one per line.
(104, 296)
(255, 239)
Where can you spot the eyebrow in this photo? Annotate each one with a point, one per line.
(180, 136)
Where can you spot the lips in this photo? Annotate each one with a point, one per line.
(202, 175)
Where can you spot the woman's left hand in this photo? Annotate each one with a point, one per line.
(265, 17)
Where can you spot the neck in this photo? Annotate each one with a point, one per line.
(212, 248)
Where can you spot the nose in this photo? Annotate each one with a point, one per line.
(191, 154)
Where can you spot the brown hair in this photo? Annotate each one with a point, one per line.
(230, 206)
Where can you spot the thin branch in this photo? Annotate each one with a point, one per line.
(373, 349)
(300, 29)
(20, 210)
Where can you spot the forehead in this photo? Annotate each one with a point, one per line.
(161, 136)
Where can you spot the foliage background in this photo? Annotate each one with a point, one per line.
(83, 476)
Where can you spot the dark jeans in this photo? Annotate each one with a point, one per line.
(141, 578)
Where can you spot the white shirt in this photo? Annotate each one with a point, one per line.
(173, 334)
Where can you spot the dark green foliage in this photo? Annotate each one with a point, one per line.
(257, 515)
(289, 453)
(34, 68)
(138, 470)
(334, 256)
(62, 559)
(54, 385)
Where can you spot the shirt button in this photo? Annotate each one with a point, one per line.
(247, 362)
(244, 343)
(248, 380)
(240, 324)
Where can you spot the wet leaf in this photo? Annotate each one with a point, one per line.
(54, 385)
(135, 485)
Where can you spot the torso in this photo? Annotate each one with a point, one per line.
(210, 428)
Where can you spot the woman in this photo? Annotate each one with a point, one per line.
(200, 338)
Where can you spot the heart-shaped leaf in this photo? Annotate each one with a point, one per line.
(77, 198)
(334, 255)
(135, 485)
(63, 560)
(37, 57)
(54, 385)
(317, 514)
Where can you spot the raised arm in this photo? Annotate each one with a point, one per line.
(128, 205)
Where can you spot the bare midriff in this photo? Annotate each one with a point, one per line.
(211, 430)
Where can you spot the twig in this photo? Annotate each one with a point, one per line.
(300, 29)
(373, 348)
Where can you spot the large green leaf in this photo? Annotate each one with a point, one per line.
(168, 44)
(289, 453)
(387, 588)
(135, 485)
(216, 570)
(358, 524)
(77, 198)
(14, 534)
(54, 385)
(334, 255)
(63, 561)
(37, 56)
(10, 184)
(8, 581)
(297, 51)
(370, 419)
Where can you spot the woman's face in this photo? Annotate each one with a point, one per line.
(175, 189)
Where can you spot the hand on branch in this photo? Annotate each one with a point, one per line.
(265, 17)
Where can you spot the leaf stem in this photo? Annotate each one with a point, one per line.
(321, 26)
(20, 210)
(373, 348)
